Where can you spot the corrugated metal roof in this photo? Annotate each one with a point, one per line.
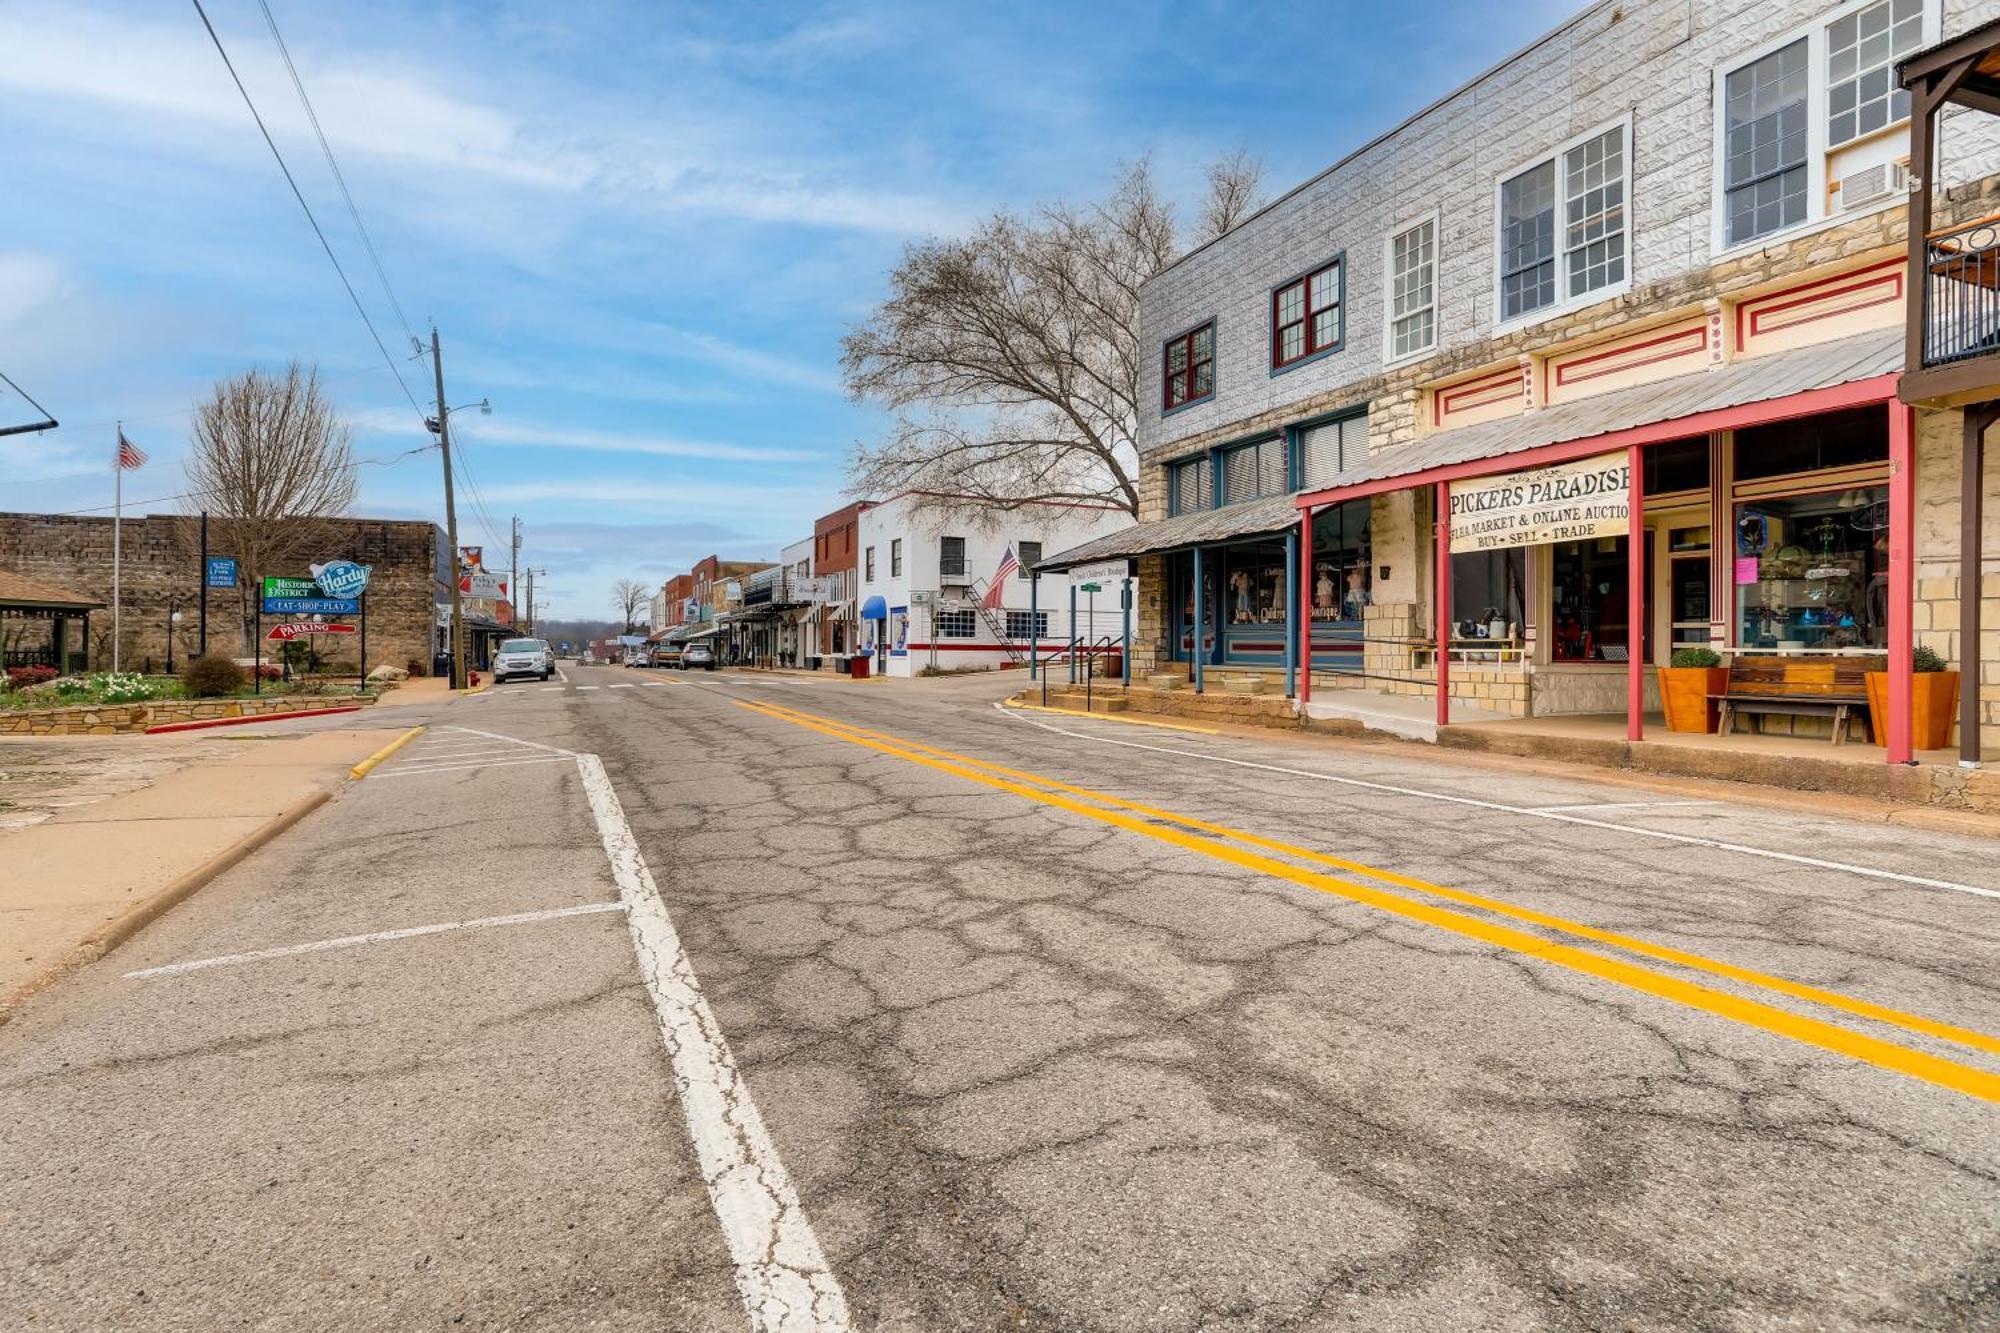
(1778, 375)
(1273, 513)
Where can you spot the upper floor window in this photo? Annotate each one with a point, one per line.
(1190, 486)
(895, 557)
(951, 557)
(1305, 316)
(1800, 123)
(1413, 290)
(1542, 264)
(1027, 555)
(1188, 366)
(1251, 471)
(868, 561)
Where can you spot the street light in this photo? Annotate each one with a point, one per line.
(173, 620)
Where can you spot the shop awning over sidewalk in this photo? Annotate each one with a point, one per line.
(1690, 404)
(1273, 514)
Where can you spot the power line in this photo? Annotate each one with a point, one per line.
(334, 167)
(332, 258)
(382, 460)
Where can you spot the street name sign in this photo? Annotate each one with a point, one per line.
(1090, 587)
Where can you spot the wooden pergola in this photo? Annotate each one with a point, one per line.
(22, 599)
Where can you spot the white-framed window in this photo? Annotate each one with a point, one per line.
(1564, 224)
(951, 557)
(895, 557)
(868, 561)
(1026, 556)
(1411, 310)
(1019, 625)
(957, 625)
(1812, 125)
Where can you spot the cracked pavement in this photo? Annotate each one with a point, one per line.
(1025, 1070)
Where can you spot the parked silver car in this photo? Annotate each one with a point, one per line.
(524, 657)
(697, 655)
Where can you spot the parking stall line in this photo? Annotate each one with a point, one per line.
(406, 770)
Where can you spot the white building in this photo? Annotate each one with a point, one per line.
(927, 565)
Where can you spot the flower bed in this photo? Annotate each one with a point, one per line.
(133, 718)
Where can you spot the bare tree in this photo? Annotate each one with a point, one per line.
(628, 595)
(1233, 194)
(1011, 357)
(272, 462)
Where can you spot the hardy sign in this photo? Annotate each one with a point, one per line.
(287, 632)
(341, 578)
(1591, 497)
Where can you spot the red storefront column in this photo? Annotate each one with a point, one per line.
(1306, 607)
(1442, 598)
(1902, 575)
(1635, 602)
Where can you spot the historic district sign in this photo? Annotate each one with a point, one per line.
(301, 597)
(1591, 497)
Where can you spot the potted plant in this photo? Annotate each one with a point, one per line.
(1933, 701)
(1687, 687)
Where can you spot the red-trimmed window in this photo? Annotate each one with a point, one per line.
(1189, 367)
(1305, 316)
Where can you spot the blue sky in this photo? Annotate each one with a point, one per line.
(642, 227)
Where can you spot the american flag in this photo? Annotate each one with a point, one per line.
(996, 591)
(130, 455)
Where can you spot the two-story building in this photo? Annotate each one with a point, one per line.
(836, 560)
(945, 583)
(1594, 358)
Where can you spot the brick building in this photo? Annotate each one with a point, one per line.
(160, 571)
(836, 557)
(1668, 237)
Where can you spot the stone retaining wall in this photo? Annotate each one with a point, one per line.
(125, 719)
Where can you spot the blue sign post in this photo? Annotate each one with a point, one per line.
(221, 572)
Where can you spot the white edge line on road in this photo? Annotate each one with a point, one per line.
(561, 677)
(1619, 805)
(378, 937)
(407, 770)
(516, 740)
(1662, 835)
(780, 1271)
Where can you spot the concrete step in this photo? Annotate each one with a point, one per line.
(1166, 680)
(1244, 685)
(1074, 700)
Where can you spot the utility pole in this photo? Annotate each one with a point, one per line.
(514, 575)
(531, 598)
(441, 426)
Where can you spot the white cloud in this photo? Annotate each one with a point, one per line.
(29, 282)
(522, 435)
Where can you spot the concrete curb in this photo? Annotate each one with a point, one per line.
(143, 914)
(207, 722)
(367, 766)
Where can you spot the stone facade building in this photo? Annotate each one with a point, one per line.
(1671, 228)
(160, 572)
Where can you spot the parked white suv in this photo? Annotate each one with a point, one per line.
(524, 657)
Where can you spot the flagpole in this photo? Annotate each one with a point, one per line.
(117, 552)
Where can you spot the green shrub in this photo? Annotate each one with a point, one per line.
(212, 676)
(1925, 659)
(1696, 657)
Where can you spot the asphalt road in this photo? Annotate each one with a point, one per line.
(781, 1003)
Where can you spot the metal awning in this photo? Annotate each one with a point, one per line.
(1269, 516)
(707, 633)
(1662, 403)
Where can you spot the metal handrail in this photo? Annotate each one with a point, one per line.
(1961, 293)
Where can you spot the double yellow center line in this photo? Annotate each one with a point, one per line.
(1253, 852)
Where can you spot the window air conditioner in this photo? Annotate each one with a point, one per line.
(1871, 185)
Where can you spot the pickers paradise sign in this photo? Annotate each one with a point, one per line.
(1591, 497)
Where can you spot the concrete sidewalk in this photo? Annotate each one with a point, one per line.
(86, 878)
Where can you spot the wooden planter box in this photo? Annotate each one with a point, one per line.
(1684, 696)
(1933, 708)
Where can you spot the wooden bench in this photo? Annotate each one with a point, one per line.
(1835, 687)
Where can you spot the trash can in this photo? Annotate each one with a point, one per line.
(857, 665)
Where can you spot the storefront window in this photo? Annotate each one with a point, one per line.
(1341, 554)
(1254, 584)
(1590, 608)
(1681, 465)
(1488, 590)
(1811, 444)
(1812, 571)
